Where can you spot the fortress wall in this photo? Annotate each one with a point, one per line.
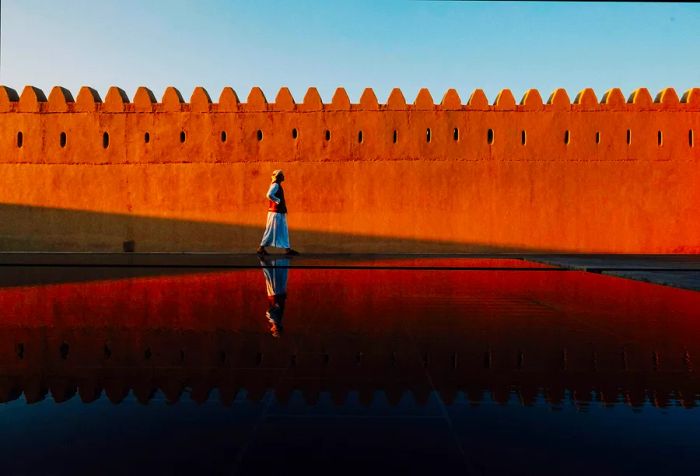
(464, 190)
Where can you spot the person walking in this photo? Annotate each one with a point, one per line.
(275, 272)
(276, 231)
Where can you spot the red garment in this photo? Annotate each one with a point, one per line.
(280, 207)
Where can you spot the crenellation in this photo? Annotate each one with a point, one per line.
(340, 101)
(284, 101)
(8, 98)
(424, 101)
(60, 100)
(559, 100)
(256, 102)
(544, 131)
(478, 101)
(228, 101)
(668, 98)
(505, 101)
(614, 100)
(691, 98)
(368, 101)
(396, 101)
(32, 99)
(312, 101)
(450, 100)
(532, 101)
(200, 101)
(172, 100)
(88, 100)
(144, 100)
(641, 99)
(116, 100)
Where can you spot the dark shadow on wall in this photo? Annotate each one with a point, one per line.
(27, 228)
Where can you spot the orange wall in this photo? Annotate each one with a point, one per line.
(375, 196)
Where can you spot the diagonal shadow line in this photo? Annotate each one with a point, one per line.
(29, 228)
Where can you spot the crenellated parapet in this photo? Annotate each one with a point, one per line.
(228, 130)
(33, 99)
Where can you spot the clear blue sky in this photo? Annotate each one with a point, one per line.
(355, 44)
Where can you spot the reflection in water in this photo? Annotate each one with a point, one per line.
(275, 271)
(552, 334)
(406, 367)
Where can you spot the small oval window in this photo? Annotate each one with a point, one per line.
(62, 139)
(359, 137)
(489, 136)
(147, 137)
(105, 140)
(223, 136)
(428, 135)
(660, 138)
(396, 136)
(183, 136)
(328, 135)
(455, 134)
(567, 137)
(259, 135)
(691, 139)
(597, 137)
(20, 139)
(523, 137)
(295, 133)
(629, 136)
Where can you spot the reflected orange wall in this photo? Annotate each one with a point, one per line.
(551, 330)
(545, 195)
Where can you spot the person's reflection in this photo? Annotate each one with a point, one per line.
(276, 284)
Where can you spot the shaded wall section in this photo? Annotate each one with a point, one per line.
(613, 175)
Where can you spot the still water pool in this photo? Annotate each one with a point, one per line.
(396, 367)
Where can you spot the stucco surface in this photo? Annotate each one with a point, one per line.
(472, 187)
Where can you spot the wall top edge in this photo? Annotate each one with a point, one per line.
(60, 99)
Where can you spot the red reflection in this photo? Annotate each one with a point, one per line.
(533, 332)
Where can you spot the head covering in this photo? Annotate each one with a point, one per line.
(275, 173)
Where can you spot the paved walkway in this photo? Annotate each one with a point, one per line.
(681, 271)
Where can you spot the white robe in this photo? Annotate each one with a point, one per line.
(276, 231)
(275, 276)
